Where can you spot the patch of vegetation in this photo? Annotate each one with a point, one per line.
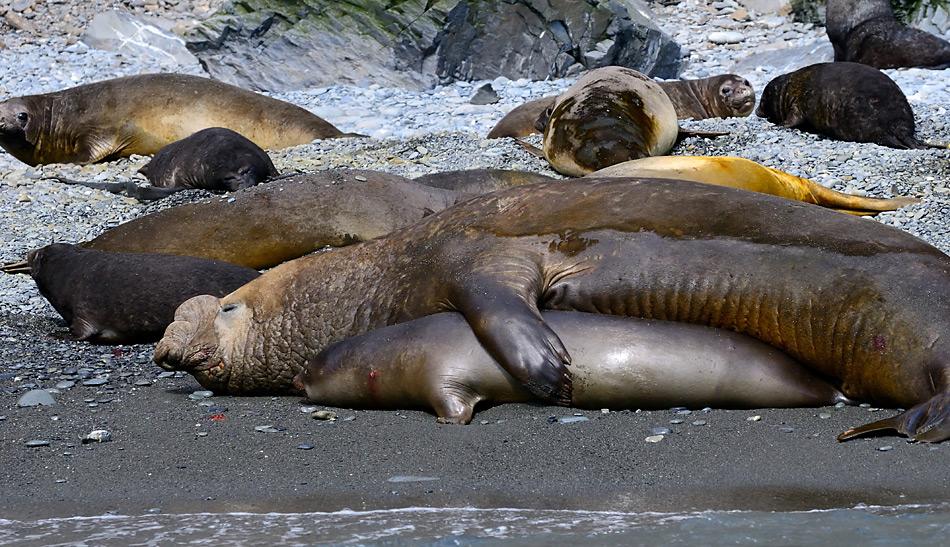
(812, 11)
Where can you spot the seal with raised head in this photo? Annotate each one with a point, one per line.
(215, 159)
(749, 175)
(861, 303)
(723, 96)
(141, 114)
(617, 362)
(866, 31)
(123, 298)
(843, 101)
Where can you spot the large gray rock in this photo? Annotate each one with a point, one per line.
(784, 60)
(934, 19)
(283, 45)
(137, 37)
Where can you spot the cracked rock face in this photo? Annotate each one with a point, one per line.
(285, 45)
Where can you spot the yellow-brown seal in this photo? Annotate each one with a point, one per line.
(861, 303)
(749, 175)
(141, 114)
(617, 362)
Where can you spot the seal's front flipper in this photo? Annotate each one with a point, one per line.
(512, 331)
(453, 409)
(927, 422)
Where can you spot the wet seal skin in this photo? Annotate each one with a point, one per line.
(124, 298)
(843, 101)
(749, 175)
(866, 31)
(214, 159)
(610, 115)
(860, 303)
(723, 96)
(142, 114)
(480, 181)
(617, 362)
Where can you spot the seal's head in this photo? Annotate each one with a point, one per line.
(736, 94)
(19, 128)
(771, 104)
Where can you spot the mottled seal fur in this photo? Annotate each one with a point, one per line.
(122, 298)
(617, 362)
(860, 303)
(866, 31)
(141, 114)
(749, 175)
(843, 101)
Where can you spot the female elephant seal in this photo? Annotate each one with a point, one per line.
(844, 101)
(123, 298)
(141, 114)
(617, 362)
(749, 175)
(723, 96)
(858, 302)
(866, 31)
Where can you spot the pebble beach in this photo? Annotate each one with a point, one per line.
(174, 448)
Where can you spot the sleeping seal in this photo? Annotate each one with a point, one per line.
(617, 362)
(860, 303)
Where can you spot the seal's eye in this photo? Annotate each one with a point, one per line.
(746, 83)
(23, 117)
(228, 307)
(726, 91)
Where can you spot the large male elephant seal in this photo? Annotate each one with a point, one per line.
(858, 302)
(141, 114)
(122, 298)
(215, 159)
(723, 96)
(844, 101)
(749, 175)
(866, 31)
(617, 362)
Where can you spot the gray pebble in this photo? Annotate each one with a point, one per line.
(660, 431)
(411, 478)
(571, 419)
(885, 448)
(200, 394)
(824, 415)
(324, 415)
(699, 422)
(305, 446)
(676, 421)
(94, 382)
(65, 384)
(37, 443)
(36, 397)
(143, 382)
(97, 436)
(266, 429)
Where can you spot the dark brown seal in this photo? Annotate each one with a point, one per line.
(858, 302)
(866, 31)
(480, 181)
(214, 159)
(843, 101)
(141, 114)
(618, 362)
(122, 298)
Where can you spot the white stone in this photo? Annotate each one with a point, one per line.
(725, 37)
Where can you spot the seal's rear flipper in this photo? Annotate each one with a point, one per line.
(530, 148)
(927, 422)
(19, 267)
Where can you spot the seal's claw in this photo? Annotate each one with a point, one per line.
(927, 422)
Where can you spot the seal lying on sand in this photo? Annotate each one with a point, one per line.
(866, 31)
(215, 159)
(844, 101)
(858, 302)
(123, 298)
(141, 114)
(724, 96)
(749, 175)
(618, 362)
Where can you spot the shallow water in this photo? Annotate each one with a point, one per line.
(902, 525)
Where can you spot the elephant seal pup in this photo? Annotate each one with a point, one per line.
(610, 115)
(866, 31)
(124, 298)
(215, 159)
(141, 114)
(480, 181)
(749, 175)
(618, 362)
(860, 303)
(266, 225)
(843, 101)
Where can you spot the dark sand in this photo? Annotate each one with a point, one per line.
(161, 458)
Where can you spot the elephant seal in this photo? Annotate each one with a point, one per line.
(723, 96)
(749, 175)
(141, 114)
(866, 31)
(860, 303)
(124, 298)
(480, 181)
(618, 362)
(843, 101)
(214, 159)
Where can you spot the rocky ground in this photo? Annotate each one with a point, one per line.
(172, 448)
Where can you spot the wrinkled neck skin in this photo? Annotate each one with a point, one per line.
(26, 145)
(843, 16)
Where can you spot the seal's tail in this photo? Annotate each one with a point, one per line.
(855, 205)
(19, 267)
(927, 422)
